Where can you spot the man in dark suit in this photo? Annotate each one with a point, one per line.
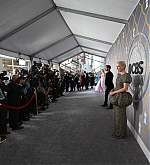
(14, 100)
(86, 80)
(109, 86)
(3, 110)
(66, 81)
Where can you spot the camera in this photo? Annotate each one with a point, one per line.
(23, 72)
(2, 77)
(39, 64)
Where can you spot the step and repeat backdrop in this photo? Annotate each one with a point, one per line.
(133, 47)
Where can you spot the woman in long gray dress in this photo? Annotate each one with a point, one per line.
(120, 120)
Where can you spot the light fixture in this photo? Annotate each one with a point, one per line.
(20, 61)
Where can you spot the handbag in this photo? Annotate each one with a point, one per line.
(123, 99)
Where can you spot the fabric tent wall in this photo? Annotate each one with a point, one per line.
(132, 46)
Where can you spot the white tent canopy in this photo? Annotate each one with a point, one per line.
(60, 29)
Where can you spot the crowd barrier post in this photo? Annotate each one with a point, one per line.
(36, 102)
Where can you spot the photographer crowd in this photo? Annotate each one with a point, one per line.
(46, 85)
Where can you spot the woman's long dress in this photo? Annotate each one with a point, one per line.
(82, 81)
(96, 79)
(120, 119)
(100, 87)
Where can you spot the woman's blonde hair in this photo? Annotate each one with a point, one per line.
(122, 63)
(102, 70)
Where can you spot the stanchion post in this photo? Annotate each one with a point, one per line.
(36, 102)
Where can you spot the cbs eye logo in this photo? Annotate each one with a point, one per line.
(138, 65)
(136, 68)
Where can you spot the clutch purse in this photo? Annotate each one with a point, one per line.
(123, 99)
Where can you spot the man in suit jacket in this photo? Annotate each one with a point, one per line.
(86, 80)
(66, 81)
(3, 110)
(14, 99)
(109, 85)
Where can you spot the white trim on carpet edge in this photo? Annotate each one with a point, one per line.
(140, 142)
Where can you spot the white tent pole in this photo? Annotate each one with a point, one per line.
(93, 39)
(64, 53)
(122, 21)
(93, 49)
(49, 46)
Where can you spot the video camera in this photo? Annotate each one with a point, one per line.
(2, 77)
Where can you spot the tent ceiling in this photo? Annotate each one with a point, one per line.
(14, 14)
(58, 49)
(94, 52)
(68, 54)
(93, 44)
(36, 36)
(90, 27)
(113, 8)
(60, 29)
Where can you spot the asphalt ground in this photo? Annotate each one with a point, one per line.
(75, 130)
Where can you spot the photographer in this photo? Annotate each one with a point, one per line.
(41, 94)
(34, 67)
(24, 100)
(3, 110)
(52, 90)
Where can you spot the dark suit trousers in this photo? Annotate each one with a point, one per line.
(3, 116)
(106, 96)
(13, 118)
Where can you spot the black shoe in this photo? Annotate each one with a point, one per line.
(2, 138)
(43, 108)
(36, 113)
(53, 101)
(19, 124)
(30, 115)
(17, 128)
(120, 137)
(46, 104)
(104, 105)
(26, 119)
(110, 108)
(7, 132)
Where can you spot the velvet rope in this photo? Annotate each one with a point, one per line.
(18, 108)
